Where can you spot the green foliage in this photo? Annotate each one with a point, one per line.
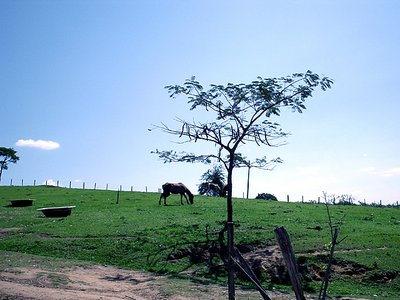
(139, 234)
(241, 114)
(216, 178)
(7, 155)
(266, 196)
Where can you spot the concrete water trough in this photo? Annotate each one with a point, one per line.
(21, 202)
(57, 212)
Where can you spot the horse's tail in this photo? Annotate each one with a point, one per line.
(189, 193)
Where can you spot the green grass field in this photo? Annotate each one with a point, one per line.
(139, 234)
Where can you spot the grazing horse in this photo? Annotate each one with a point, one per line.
(176, 188)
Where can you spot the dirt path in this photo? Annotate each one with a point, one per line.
(31, 277)
(76, 283)
(106, 283)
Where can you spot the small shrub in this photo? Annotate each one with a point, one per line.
(266, 196)
(346, 199)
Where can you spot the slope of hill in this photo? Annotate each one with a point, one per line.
(139, 234)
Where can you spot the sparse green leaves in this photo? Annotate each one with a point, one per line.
(242, 113)
(7, 155)
(169, 156)
(259, 163)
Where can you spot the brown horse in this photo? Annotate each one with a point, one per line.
(176, 188)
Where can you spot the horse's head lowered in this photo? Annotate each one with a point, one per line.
(191, 197)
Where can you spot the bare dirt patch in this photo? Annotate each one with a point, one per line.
(100, 282)
(96, 282)
(7, 231)
(31, 277)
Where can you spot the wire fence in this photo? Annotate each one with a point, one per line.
(82, 185)
(332, 199)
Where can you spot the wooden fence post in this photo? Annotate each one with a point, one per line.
(287, 197)
(290, 261)
(117, 197)
(34, 182)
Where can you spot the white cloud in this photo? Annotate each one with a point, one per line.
(40, 144)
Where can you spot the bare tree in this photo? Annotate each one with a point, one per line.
(335, 229)
(242, 114)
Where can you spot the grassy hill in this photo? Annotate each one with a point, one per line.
(139, 234)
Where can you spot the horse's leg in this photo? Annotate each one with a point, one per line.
(187, 200)
(159, 201)
(165, 198)
(163, 195)
(181, 198)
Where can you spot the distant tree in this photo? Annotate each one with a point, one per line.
(7, 155)
(212, 182)
(241, 114)
(266, 196)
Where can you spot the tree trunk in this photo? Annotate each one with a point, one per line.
(231, 263)
(1, 170)
(325, 282)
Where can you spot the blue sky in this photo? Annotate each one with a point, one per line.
(89, 76)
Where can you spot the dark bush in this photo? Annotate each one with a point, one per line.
(266, 196)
